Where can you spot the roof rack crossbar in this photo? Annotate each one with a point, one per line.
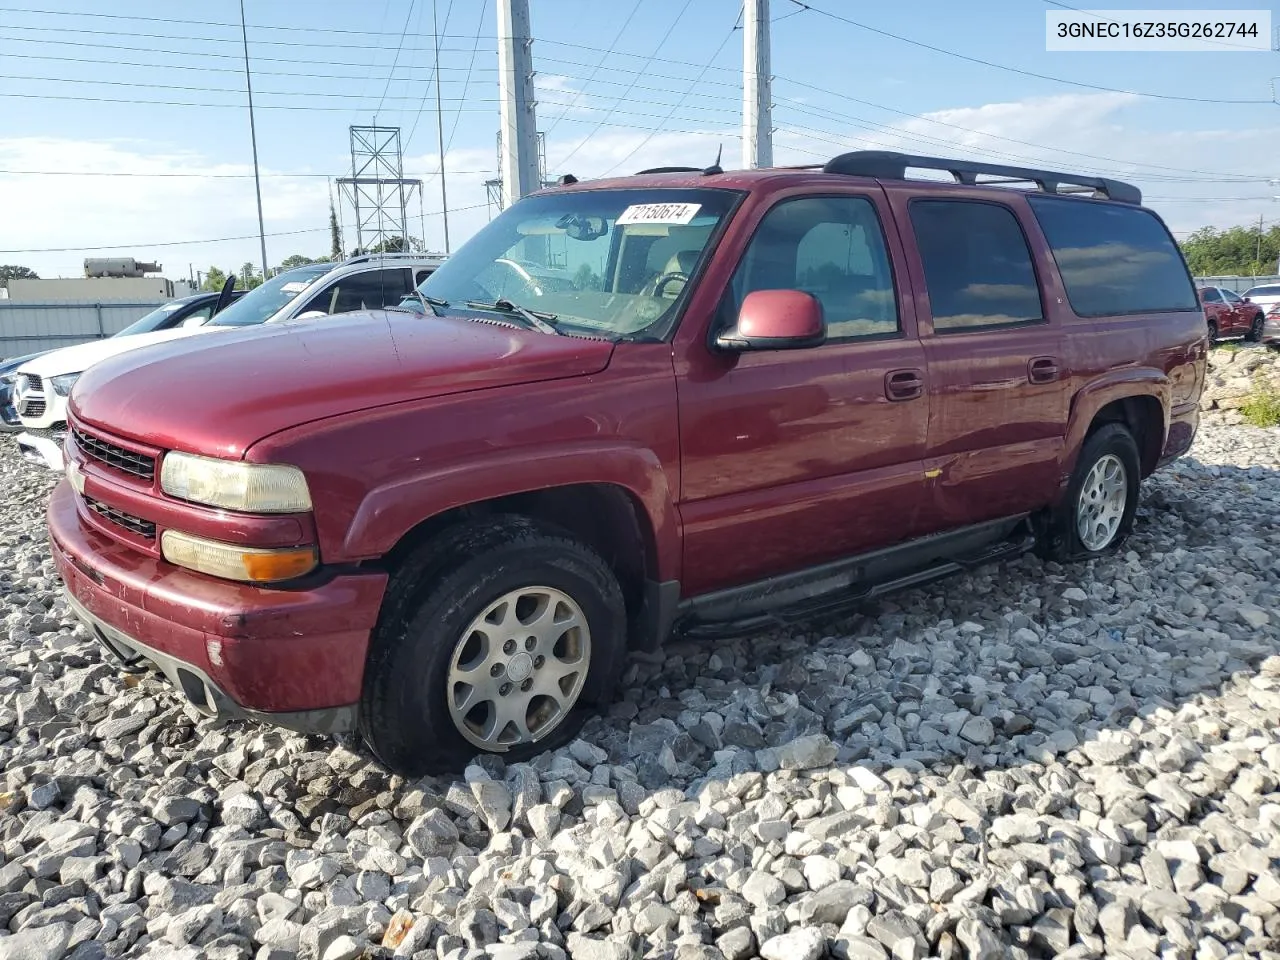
(889, 165)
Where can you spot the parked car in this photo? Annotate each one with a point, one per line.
(194, 309)
(1230, 315)
(1267, 296)
(370, 281)
(780, 392)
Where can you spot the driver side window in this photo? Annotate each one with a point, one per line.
(832, 248)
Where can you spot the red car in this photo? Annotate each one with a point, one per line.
(766, 393)
(1230, 315)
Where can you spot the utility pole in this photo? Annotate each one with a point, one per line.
(1257, 260)
(757, 97)
(444, 196)
(253, 139)
(519, 152)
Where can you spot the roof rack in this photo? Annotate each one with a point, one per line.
(392, 255)
(888, 165)
(641, 173)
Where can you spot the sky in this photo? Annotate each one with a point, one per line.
(124, 132)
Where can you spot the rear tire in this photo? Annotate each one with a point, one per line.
(1096, 515)
(476, 647)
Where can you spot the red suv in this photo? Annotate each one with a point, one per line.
(625, 407)
(1227, 314)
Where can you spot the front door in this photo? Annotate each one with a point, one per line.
(998, 392)
(792, 458)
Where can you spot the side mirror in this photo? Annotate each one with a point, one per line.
(1247, 300)
(776, 320)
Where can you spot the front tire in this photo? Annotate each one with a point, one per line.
(1213, 331)
(1255, 328)
(495, 639)
(1096, 515)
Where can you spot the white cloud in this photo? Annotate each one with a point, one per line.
(1086, 132)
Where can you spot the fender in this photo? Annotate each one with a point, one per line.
(1108, 388)
(388, 512)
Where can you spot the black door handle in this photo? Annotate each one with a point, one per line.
(1043, 370)
(904, 384)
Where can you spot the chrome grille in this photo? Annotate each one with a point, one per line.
(143, 528)
(137, 464)
(32, 408)
(31, 382)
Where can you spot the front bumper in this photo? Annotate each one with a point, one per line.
(293, 657)
(43, 447)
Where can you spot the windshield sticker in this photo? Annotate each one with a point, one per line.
(294, 286)
(659, 213)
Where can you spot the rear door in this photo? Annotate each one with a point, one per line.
(998, 396)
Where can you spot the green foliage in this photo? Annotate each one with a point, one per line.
(295, 260)
(397, 245)
(246, 279)
(587, 279)
(1262, 407)
(11, 271)
(213, 279)
(1211, 252)
(335, 236)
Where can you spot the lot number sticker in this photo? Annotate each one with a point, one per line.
(659, 213)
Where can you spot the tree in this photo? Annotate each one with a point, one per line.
(587, 279)
(1236, 251)
(10, 271)
(397, 245)
(248, 279)
(213, 279)
(335, 237)
(295, 260)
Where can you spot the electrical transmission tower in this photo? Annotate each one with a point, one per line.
(378, 191)
(493, 188)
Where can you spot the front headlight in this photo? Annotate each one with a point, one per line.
(62, 385)
(234, 484)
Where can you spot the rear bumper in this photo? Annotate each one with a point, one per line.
(290, 657)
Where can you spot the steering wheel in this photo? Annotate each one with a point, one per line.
(660, 284)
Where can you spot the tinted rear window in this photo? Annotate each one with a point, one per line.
(1114, 259)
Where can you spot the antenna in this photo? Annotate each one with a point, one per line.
(715, 167)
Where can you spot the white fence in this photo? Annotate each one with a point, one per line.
(1236, 284)
(32, 327)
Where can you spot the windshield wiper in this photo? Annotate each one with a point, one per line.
(534, 318)
(430, 305)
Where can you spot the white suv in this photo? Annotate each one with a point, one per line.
(367, 282)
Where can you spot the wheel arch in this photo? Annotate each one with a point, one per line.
(1137, 398)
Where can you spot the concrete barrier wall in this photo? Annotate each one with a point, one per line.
(32, 327)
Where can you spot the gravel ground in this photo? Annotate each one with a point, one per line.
(1028, 761)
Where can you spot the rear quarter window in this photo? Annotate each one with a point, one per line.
(1114, 259)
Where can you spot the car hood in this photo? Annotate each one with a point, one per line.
(11, 365)
(82, 356)
(221, 397)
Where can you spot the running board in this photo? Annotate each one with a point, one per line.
(841, 601)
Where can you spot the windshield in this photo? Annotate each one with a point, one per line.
(152, 321)
(1270, 291)
(261, 302)
(609, 263)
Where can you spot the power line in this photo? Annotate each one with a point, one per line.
(596, 69)
(565, 159)
(192, 176)
(426, 89)
(692, 86)
(1018, 70)
(484, 6)
(392, 72)
(185, 243)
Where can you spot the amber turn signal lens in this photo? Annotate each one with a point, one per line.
(233, 562)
